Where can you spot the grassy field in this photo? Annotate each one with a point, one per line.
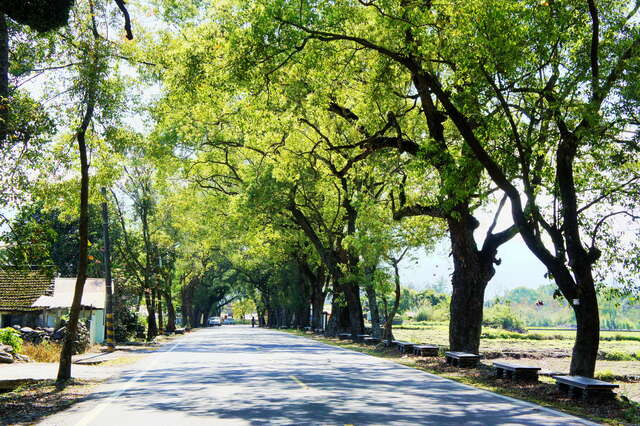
(614, 346)
(549, 349)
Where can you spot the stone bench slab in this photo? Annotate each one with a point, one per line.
(584, 382)
(462, 359)
(425, 350)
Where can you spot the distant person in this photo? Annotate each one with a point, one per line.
(253, 322)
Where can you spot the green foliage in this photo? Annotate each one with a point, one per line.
(502, 316)
(619, 356)
(618, 311)
(10, 336)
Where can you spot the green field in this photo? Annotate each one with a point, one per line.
(614, 345)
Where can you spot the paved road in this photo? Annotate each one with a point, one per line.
(240, 375)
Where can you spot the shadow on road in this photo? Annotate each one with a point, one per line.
(271, 377)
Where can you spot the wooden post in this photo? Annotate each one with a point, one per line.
(107, 274)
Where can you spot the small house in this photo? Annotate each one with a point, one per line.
(53, 307)
(19, 289)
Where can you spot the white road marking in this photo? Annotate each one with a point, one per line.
(86, 420)
(298, 381)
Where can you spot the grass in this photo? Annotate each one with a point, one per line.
(43, 352)
(613, 345)
(616, 412)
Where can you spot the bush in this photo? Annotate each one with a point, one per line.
(618, 356)
(501, 316)
(125, 325)
(423, 315)
(10, 336)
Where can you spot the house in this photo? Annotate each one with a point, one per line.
(19, 289)
(34, 299)
(53, 307)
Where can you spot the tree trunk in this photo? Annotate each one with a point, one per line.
(187, 307)
(160, 318)
(354, 307)
(317, 307)
(471, 273)
(373, 311)
(64, 368)
(388, 325)
(339, 320)
(171, 312)
(152, 327)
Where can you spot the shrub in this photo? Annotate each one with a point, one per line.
(618, 356)
(501, 316)
(125, 325)
(423, 315)
(606, 375)
(10, 336)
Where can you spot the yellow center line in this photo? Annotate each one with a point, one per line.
(302, 385)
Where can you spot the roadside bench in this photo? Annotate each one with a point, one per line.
(462, 359)
(361, 337)
(405, 347)
(425, 350)
(180, 330)
(318, 331)
(516, 371)
(579, 386)
(389, 343)
(344, 336)
(307, 329)
(371, 340)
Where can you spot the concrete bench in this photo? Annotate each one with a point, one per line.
(425, 350)
(405, 347)
(516, 371)
(180, 330)
(361, 337)
(371, 340)
(579, 386)
(344, 336)
(462, 359)
(390, 343)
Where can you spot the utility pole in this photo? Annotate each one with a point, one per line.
(107, 273)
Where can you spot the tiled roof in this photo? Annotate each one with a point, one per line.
(20, 288)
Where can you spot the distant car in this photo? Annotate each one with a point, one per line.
(214, 321)
(229, 321)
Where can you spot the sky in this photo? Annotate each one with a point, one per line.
(519, 267)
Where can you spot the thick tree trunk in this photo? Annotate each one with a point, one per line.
(317, 307)
(339, 320)
(152, 327)
(354, 307)
(373, 311)
(171, 313)
(472, 271)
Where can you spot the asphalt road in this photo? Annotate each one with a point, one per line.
(240, 375)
